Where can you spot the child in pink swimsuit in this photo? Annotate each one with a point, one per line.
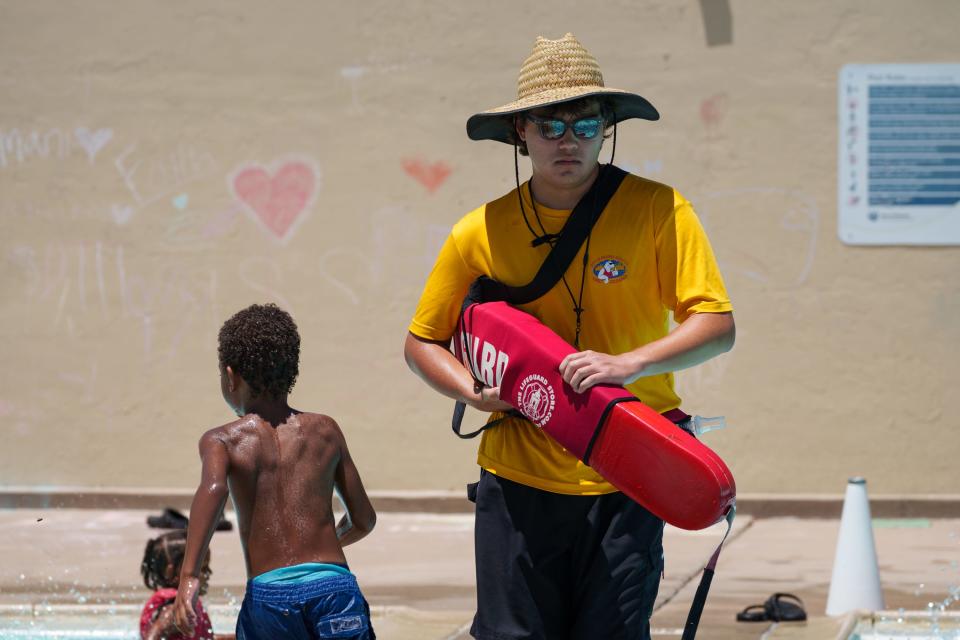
(160, 569)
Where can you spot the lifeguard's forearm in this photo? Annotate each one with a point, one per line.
(701, 337)
(437, 366)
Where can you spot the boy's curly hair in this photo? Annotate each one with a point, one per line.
(164, 550)
(261, 344)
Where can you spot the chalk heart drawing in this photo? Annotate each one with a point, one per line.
(121, 215)
(181, 201)
(92, 141)
(277, 197)
(431, 176)
(713, 109)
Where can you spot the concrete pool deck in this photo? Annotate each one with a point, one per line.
(417, 572)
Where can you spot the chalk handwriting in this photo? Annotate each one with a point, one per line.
(17, 147)
(75, 285)
(151, 178)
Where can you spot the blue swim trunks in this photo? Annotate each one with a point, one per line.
(305, 601)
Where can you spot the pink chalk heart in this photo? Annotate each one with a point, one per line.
(431, 176)
(277, 199)
(712, 109)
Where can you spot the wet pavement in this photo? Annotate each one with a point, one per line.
(63, 567)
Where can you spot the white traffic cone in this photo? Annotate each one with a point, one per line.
(856, 578)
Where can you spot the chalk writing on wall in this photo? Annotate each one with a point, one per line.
(151, 178)
(72, 286)
(17, 147)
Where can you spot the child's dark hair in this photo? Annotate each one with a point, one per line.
(163, 551)
(261, 344)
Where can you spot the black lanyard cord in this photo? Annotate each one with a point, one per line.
(551, 239)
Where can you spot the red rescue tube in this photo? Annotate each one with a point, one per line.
(637, 450)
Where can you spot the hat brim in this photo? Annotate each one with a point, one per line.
(496, 124)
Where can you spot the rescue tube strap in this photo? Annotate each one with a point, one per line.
(700, 599)
(458, 410)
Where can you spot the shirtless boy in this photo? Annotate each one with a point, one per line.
(281, 467)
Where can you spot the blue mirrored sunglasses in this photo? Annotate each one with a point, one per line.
(554, 129)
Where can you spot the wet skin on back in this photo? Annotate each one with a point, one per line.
(281, 478)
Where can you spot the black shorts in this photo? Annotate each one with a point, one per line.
(559, 567)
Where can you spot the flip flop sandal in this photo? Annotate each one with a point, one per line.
(753, 613)
(777, 608)
(173, 519)
(169, 519)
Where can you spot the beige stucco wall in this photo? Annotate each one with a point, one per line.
(124, 127)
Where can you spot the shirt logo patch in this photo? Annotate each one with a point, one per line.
(609, 269)
(536, 399)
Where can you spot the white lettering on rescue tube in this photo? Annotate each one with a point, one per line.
(490, 365)
(487, 359)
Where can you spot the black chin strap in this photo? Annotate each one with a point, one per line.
(613, 151)
(538, 238)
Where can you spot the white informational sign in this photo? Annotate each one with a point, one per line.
(899, 163)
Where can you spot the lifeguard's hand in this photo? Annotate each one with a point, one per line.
(585, 369)
(185, 606)
(488, 399)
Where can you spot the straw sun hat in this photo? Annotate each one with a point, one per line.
(557, 71)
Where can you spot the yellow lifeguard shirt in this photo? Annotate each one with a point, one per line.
(648, 256)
